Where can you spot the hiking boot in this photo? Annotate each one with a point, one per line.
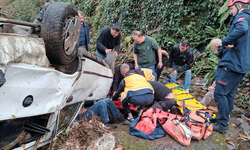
(219, 128)
(110, 126)
(125, 122)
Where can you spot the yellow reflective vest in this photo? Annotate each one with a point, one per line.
(134, 83)
(148, 73)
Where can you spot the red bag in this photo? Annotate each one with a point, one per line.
(199, 123)
(180, 132)
(147, 121)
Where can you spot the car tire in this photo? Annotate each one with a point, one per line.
(60, 29)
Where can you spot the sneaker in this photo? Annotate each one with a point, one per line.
(187, 90)
(110, 126)
(125, 122)
(219, 128)
(130, 119)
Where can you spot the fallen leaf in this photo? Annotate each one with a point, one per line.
(246, 133)
(13, 117)
(241, 135)
(234, 125)
(229, 141)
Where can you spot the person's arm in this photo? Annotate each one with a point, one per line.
(136, 62)
(99, 42)
(165, 53)
(241, 26)
(117, 45)
(160, 58)
(171, 57)
(189, 63)
(117, 78)
(120, 89)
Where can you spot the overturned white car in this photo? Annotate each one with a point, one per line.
(47, 79)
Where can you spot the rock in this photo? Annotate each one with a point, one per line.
(236, 121)
(202, 82)
(215, 109)
(245, 127)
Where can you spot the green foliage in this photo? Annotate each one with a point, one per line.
(207, 65)
(26, 10)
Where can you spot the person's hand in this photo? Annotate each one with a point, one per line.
(170, 69)
(229, 46)
(108, 51)
(136, 66)
(88, 46)
(211, 88)
(159, 65)
(83, 110)
(170, 96)
(174, 73)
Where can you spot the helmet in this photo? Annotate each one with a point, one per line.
(231, 2)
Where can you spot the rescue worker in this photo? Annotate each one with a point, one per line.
(181, 59)
(134, 89)
(149, 74)
(235, 62)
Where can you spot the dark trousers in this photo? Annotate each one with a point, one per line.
(138, 100)
(157, 70)
(227, 83)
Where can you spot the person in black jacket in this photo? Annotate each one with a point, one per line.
(181, 59)
(118, 76)
(161, 92)
(109, 39)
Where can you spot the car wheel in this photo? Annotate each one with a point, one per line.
(60, 29)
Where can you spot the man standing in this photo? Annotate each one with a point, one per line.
(84, 33)
(109, 39)
(144, 51)
(234, 64)
(181, 59)
(216, 46)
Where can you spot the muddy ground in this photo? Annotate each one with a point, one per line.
(85, 134)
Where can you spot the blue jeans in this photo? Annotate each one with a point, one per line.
(138, 100)
(187, 77)
(227, 83)
(101, 109)
(152, 67)
(100, 55)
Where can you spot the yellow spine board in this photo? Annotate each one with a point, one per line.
(182, 95)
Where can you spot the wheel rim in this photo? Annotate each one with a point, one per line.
(71, 34)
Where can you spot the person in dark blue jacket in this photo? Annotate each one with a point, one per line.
(234, 63)
(84, 33)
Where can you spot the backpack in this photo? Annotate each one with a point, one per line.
(198, 121)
